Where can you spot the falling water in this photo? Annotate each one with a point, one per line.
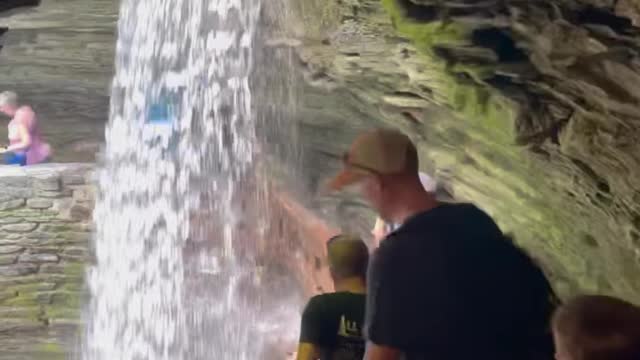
(180, 144)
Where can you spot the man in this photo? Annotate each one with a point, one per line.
(26, 146)
(332, 323)
(445, 285)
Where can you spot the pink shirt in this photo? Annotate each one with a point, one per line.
(38, 151)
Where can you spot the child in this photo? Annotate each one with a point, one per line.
(597, 328)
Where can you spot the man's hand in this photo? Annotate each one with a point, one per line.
(3, 150)
(379, 352)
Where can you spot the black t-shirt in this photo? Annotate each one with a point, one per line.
(448, 285)
(333, 322)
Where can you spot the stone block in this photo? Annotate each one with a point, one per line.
(54, 194)
(39, 258)
(63, 228)
(19, 269)
(83, 194)
(52, 269)
(40, 204)
(17, 192)
(20, 228)
(66, 298)
(62, 205)
(44, 298)
(22, 312)
(10, 249)
(20, 325)
(73, 179)
(14, 181)
(10, 220)
(8, 259)
(68, 238)
(6, 295)
(50, 183)
(45, 249)
(75, 253)
(13, 237)
(43, 285)
(6, 282)
(37, 235)
(12, 204)
(80, 213)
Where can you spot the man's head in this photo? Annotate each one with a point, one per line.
(8, 103)
(381, 229)
(384, 163)
(348, 257)
(597, 328)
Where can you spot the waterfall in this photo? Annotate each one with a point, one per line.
(168, 282)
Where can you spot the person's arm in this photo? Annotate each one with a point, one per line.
(379, 352)
(311, 331)
(307, 351)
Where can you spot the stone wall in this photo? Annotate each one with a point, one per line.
(45, 227)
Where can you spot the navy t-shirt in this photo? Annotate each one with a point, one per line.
(448, 285)
(333, 322)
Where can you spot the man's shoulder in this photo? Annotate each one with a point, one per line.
(321, 300)
(448, 215)
(334, 297)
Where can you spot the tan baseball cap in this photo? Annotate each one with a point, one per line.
(375, 152)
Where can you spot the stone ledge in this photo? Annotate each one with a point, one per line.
(44, 170)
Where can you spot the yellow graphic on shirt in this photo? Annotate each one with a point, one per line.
(348, 328)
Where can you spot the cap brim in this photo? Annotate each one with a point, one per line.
(345, 178)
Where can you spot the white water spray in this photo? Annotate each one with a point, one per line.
(191, 59)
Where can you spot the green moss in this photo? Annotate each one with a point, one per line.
(72, 286)
(22, 312)
(425, 35)
(50, 349)
(56, 312)
(473, 99)
(66, 299)
(23, 300)
(74, 270)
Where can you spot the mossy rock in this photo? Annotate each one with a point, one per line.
(55, 313)
(21, 312)
(51, 349)
(474, 100)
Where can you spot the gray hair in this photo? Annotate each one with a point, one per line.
(8, 98)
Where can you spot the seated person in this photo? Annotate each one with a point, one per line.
(26, 146)
(332, 323)
(597, 328)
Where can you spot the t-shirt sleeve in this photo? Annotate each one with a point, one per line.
(312, 327)
(397, 315)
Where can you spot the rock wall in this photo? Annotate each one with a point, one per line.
(45, 227)
(528, 109)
